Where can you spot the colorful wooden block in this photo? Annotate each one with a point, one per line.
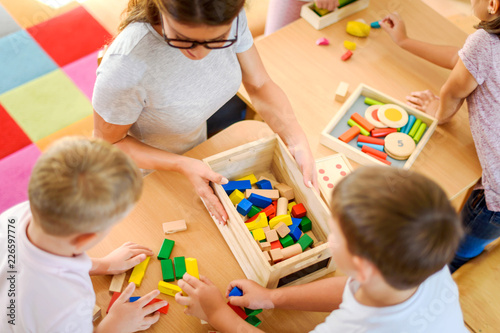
(282, 206)
(264, 184)
(251, 312)
(244, 207)
(313, 237)
(138, 272)
(180, 267)
(375, 152)
(305, 241)
(254, 210)
(168, 288)
(414, 128)
(253, 320)
(276, 245)
(272, 181)
(411, 120)
(251, 177)
(276, 255)
(236, 197)
(295, 233)
(239, 311)
(114, 297)
(240, 185)
(280, 218)
(192, 267)
(379, 159)
(362, 121)
(381, 132)
(269, 210)
(371, 145)
(266, 229)
(287, 241)
(272, 236)
(369, 139)
(371, 101)
(166, 249)
(117, 282)
(164, 309)
(96, 313)
(258, 234)
(350, 134)
(265, 246)
(285, 191)
(291, 251)
(290, 205)
(167, 270)
(420, 131)
(259, 223)
(235, 292)
(295, 222)
(173, 227)
(341, 92)
(299, 211)
(352, 123)
(271, 194)
(282, 229)
(259, 200)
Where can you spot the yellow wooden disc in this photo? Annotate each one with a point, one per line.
(392, 115)
(370, 116)
(399, 145)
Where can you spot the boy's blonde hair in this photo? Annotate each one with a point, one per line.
(399, 220)
(82, 185)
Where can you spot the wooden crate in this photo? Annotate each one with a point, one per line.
(320, 22)
(270, 157)
(329, 136)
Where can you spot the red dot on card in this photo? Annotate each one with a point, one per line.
(321, 171)
(342, 173)
(339, 166)
(330, 185)
(326, 178)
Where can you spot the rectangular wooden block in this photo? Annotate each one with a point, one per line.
(341, 93)
(282, 229)
(166, 249)
(271, 236)
(265, 246)
(117, 282)
(276, 255)
(138, 272)
(285, 191)
(96, 313)
(180, 267)
(192, 267)
(175, 226)
(271, 194)
(167, 270)
(168, 288)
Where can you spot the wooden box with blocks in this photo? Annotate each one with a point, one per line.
(270, 158)
(320, 22)
(391, 150)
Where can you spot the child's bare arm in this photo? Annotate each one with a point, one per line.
(441, 55)
(120, 260)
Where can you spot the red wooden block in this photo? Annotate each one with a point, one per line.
(113, 299)
(380, 159)
(366, 149)
(362, 121)
(369, 139)
(269, 210)
(299, 211)
(349, 134)
(346, 55)
(276, 245)
(239, 311)
(115, 296)
(381, 132)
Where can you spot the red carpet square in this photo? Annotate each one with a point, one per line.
(70, 36)
(12, 136)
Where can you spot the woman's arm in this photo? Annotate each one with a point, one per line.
(275, 108)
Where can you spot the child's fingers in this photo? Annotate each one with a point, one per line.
(418, 107)
(150, 320)
(206, 280)
(136, 252)
(126, 293)
(238, 301)
(147, 298)
(135, 246)
(414, 100)
(182, 300)
(134, 261)
(232, 284)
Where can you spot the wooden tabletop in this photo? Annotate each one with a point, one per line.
(309, 75)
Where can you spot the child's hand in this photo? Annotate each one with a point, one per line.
(203, 298)
(424, 101)
(395, 27)
(131, 317)
(327, 4)
(121, 259)
(254, 295)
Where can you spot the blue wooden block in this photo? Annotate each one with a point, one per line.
(241, 185)
(375, 25)
(295, 222)
(235, 292)
(264, 184)
(133, 299)
(295, 233)
(411, 120)
(259, 200)
(244, 207)
(374, 146)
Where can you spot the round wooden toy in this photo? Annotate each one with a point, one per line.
(392, 115)
(399, 145)
(371, 114)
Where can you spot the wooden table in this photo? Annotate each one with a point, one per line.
(310, 74)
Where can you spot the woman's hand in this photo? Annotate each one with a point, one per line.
(303, 155)
(395, 27)
(330, 5)
(200, 175)
(254, 295)
(424, 101)
(121, 259)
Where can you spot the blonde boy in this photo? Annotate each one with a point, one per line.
(392, 234)
(78, 190)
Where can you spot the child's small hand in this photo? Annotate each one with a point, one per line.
(424, 101)
(203, 298)
(254, 295)
(121, 259)
(327, 4)
(131, 317)
(395, 27)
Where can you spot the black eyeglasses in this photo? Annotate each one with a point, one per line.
(191, 44)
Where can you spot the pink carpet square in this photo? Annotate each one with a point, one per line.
(15, 171)
(83, 73)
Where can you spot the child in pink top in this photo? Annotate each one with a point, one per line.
(476, 78)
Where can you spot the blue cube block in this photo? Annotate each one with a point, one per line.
(241, 185)
(295, 233)
(244, 207)
(133, 299)
(235, 292)
(295, 222)
(259, 200)
(264, 184)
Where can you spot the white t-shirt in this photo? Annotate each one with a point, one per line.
(46, 292)
(166, 96)
(434, 308)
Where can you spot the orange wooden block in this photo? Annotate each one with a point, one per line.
(366, 149)
(362, 121)
(380, 159)
(381, 132)
(369, 139)
(349, 134)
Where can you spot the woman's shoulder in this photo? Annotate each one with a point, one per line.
(129, 38)
(482, 36)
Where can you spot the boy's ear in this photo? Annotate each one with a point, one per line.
(81, 240)
(365, 269)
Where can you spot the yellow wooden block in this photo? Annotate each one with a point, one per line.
(259, 234)
(287, 219)
(138, 272)
(192, 267)
(250, 177)
(260, 222)
(290, 205)
(236, 197)
(168, 288)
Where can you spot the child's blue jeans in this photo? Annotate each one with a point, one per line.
(482, 226)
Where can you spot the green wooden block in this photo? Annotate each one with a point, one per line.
(253, 211)
(305, 241)
(305, 224)
(287, 241)
(180, 267)
(167, 270)
(252, 320)
(251, 312)
(166, 249)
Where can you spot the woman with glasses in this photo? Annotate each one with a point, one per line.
(173, 65)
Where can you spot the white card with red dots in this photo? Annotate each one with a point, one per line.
(331, 170)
